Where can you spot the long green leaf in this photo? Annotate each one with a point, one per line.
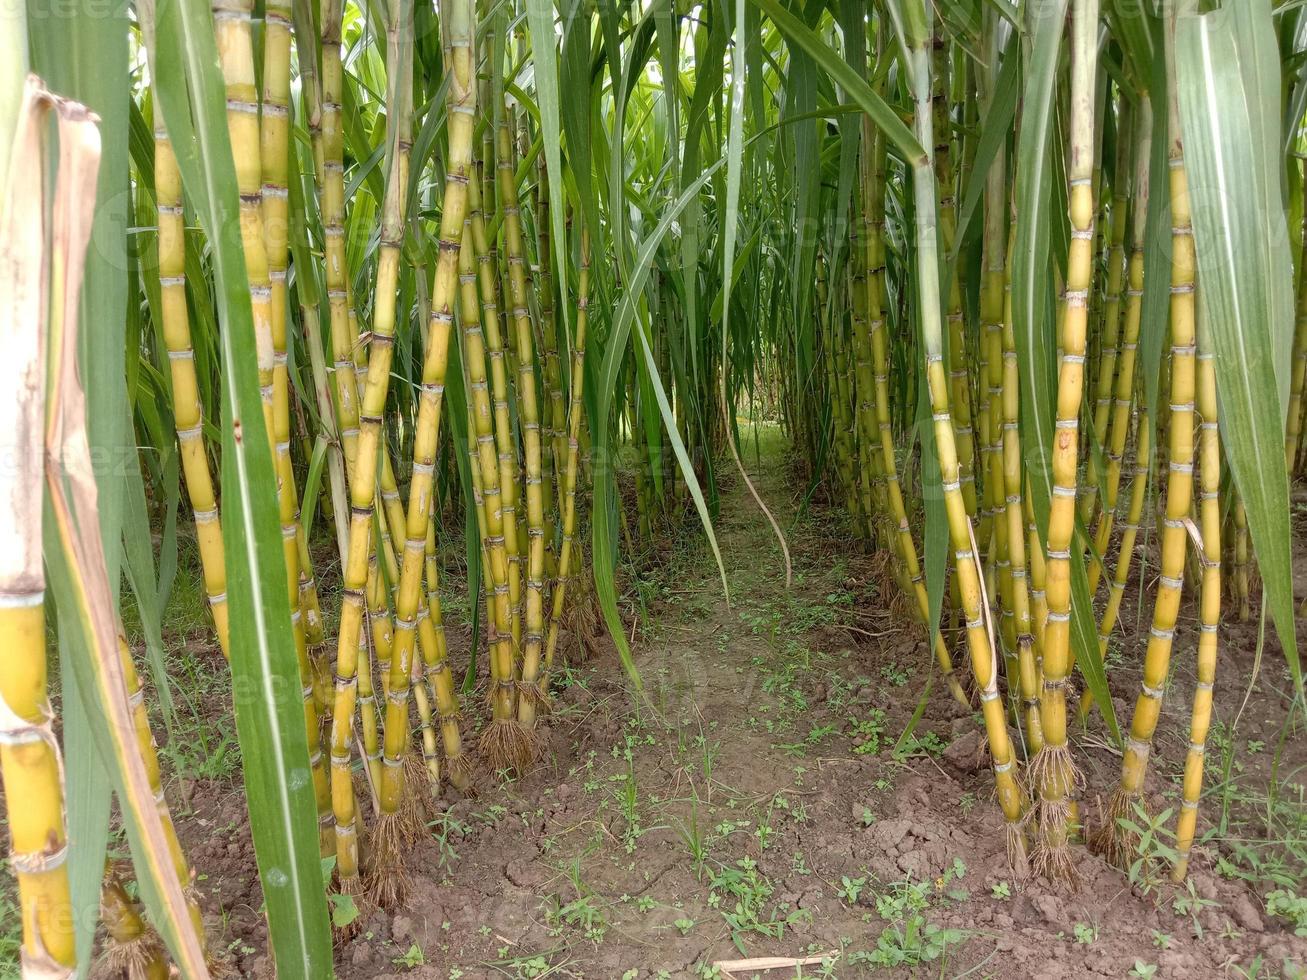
(874, 106)
(1228, 75)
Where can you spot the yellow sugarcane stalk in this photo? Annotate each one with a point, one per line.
(993, 305)
(1127, 354)
(430, 635)
(552, 447)
(388, 881)
(367, 699)
(528, 417)
(133, 950)
(526, 709)
(1052, 769)
(274, 152)
(1110, 354)
(959, 376)
(1035, 556)
(231, 21)
(913, 21)
(363, 485)
(410, 606)
(505, 743)
(1113, 841)
(33, 773)
(1240, 519)
(1209, 511)
(188, 413)
(1125, 553)
(486, 256)
(1014, 520)
(30, 763)
(150, 757)
(874, 259)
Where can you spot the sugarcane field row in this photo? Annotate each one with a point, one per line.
(645, 489)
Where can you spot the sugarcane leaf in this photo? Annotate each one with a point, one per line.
(88, 798)
(140, 572)
(265, 670)
(1228, 78)
(82, 52)
(994, 130)
(544, 56)
(1084, 635)
(1032, 269)
(1156, 301)
(313, 485)
(75, 552)
(881, 114)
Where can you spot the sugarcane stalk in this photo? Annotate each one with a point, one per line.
(527, 707)
(1241, 562)
(528, 415)
(1209, 617)
(874, 259)
(133, 950)
(231, 20)
(1052, 770)
(505, 744)
(461, 101)
(1127, 355)
(1014, 521)
(188, 412)
(956, 352)
(1114, 841)
(912, 19)
(505, 440)
(552, 447)
(31, 766)
(1110, 355)
(274, 153)
(1125, 551)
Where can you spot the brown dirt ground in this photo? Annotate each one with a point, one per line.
(765, 737)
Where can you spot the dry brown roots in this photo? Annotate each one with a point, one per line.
(133, 949)
(882, 573)
(141, 958)
(903, 605)
(581, 615)
(415, 804)
(353, 887)
(1112, 842)
(1051, 857)
(462, 773)
(506, 745)
(1016, 850)
(536, 695)
(387, 880)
